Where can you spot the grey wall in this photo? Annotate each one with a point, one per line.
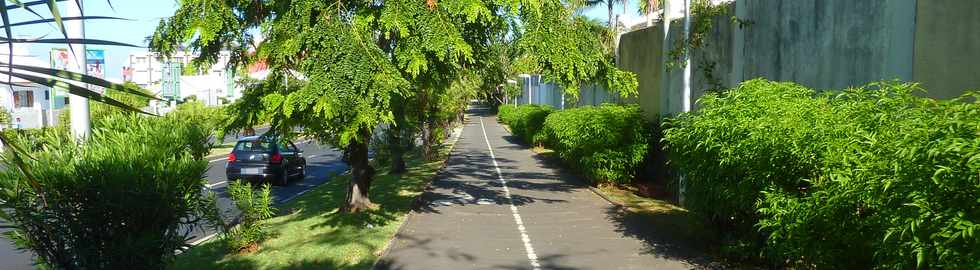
(827, 44)
(640, 52)
(822, 44)
(947, 46)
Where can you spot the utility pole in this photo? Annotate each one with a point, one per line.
(686, 84)
(80, 125)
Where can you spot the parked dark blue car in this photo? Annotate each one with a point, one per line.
(261, 158)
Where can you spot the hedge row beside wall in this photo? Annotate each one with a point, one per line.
(524, 120)
(874, 177)
(607, 143)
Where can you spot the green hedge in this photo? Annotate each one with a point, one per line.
(524, 120)
(873, 177)
(608, 143)
(126, 198)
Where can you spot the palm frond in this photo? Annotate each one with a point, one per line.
(74, 90)
(87, 41)
(50, 20)
(79, 77)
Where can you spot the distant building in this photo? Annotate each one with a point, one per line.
(165, 76)
(29, 104)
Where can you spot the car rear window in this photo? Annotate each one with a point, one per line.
(253, 146)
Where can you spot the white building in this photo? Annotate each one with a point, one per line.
(213, 86)
(28, 103)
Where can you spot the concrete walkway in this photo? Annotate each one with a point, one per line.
(496, 205)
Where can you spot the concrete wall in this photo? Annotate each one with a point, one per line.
(827, 44)
(947, 46)
(822, 44)
(640, 52)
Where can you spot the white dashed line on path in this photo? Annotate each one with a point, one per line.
(202, 239)
(531, 256)
(216, 184)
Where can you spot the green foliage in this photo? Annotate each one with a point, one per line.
(30, 139)
(608, 143)
(571, 52)
(101, 111)
(214, 119)
(125, 199)
(703, 14)
(255, 207)
(5, 118)
(354, 56)
(525, 121)
(872, 177)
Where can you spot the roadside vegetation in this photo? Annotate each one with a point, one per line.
(256, 207)
(871, 177)
(311, 232)
(607, 144)
(125, 199)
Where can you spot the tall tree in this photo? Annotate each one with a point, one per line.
(609, 7)
(346, 59)
(648, 7)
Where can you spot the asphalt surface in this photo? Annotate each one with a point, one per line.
(513, 209)
(323, 162)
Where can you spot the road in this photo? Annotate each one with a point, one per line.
(322, 163)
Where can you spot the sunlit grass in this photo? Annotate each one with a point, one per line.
(310, 234)
(221, 149)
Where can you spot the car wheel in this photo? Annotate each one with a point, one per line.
(302, 173)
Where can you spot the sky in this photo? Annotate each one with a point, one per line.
(144, 16)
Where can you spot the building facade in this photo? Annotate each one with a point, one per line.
(166, 77)
(29, 104)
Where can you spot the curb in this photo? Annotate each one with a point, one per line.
(599, 193)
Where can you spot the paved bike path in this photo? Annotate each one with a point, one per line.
(511, 210)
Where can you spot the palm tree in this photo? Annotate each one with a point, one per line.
(648, 7)
(609, 6)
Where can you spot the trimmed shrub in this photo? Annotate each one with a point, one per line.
(872, 177)
(608, 143)
(525, 121)
(127, 198)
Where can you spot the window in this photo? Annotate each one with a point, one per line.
(253, 146)
(23, 99)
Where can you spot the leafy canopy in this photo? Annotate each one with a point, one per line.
(335, 64)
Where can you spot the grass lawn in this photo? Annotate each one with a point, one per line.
(310, 234)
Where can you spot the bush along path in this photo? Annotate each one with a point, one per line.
(497, 205)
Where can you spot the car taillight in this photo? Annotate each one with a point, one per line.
(276, 158)
(232, 157)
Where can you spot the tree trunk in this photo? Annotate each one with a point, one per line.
(429, 136)
(609, 4)
(361, 175)
(395, 137)
(425, 120)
